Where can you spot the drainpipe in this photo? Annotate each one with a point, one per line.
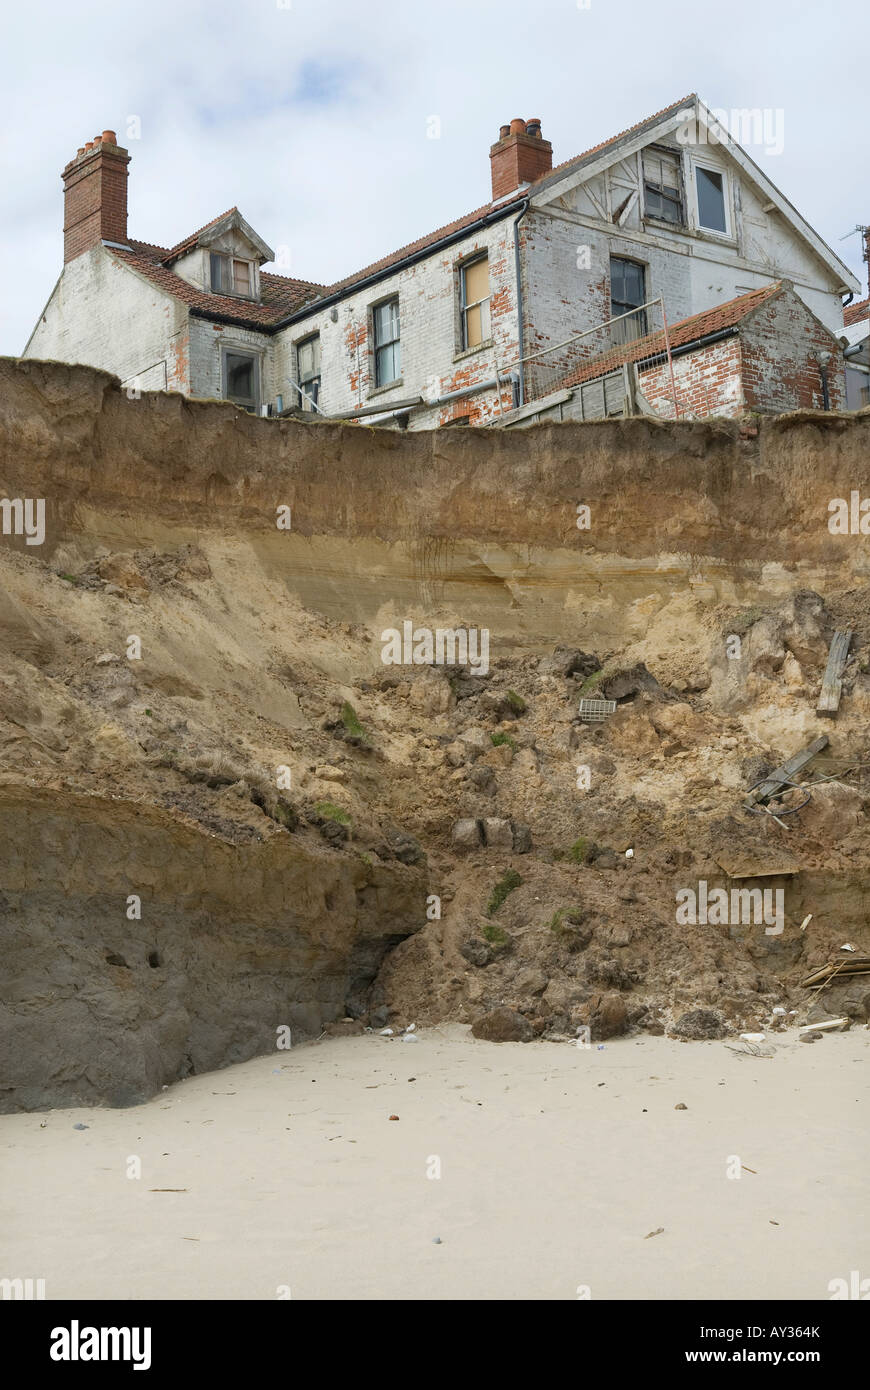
(521, 394)
(824, 360)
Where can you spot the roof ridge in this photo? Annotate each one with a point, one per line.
(612, 140)
(193, 236)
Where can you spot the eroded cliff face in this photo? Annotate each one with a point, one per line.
(195, 714)
(479, 522)
(228, 946)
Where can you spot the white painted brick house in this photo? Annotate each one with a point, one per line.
(469, 322)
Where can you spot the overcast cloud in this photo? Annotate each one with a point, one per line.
(313, 117)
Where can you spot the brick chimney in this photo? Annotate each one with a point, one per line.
(519, 156)
(95, 196)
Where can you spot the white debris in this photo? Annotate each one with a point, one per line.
(848, 947)
(752, 1037)
(410, 1037)
(386, 1032)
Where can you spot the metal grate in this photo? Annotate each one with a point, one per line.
(596, 711)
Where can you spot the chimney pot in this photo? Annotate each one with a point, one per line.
(110, 137)
(80, 150)
(89, 144)
(520, 156)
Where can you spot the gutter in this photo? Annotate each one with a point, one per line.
(658, 357)
(518, 275)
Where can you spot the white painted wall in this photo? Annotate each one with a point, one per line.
(568, 245)
(102, 314)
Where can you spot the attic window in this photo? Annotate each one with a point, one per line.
(231, 276)
(662, 186)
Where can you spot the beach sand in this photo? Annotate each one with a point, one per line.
(556, 1162)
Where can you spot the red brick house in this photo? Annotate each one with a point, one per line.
(763, 351)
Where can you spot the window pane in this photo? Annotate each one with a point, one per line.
(240, 379)
(309, 358)
(473, 328)
(711, 200)
(386, 322)
(219, 274)
(387, 364)
(241, 277)
(476, 280)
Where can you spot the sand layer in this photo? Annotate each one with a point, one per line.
(556, 1162)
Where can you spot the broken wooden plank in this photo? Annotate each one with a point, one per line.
(781, 776)
(832, 686)
(856, 965)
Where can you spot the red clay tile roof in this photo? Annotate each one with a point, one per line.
(280, 295)
(856, 312)
(684, 331)
(190, 241)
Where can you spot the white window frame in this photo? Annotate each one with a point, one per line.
(486, 340)
(711, 167)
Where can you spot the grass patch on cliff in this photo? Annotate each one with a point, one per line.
(351, 721)
(592, 682)
(501, 890)
(516, 702)
(562, 917)
(580, 852)
(496, 936)
(499, 739)
(327, 810)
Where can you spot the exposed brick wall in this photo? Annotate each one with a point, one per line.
(707, 381)
(779, 372)
(95, 199)
(768, 366)
(519, 157)
(433, 363)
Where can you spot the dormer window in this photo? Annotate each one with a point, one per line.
(232, 276)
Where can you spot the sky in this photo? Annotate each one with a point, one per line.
(343, 130)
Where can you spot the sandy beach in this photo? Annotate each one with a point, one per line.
(556, 1163)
